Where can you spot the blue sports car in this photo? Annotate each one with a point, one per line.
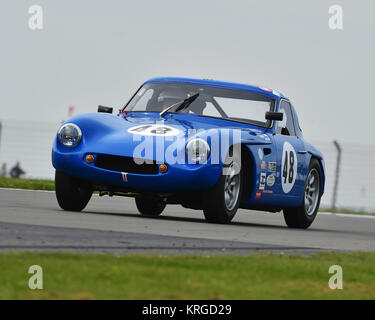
(207, 145)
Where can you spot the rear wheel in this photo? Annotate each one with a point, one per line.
(72, 194)
(222, 201)
(303, 216)
(148, 206)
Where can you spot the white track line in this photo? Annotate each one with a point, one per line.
(347, 215)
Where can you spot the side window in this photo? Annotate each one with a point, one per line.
(286, 127)
(211, 111)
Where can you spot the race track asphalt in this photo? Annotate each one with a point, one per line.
(32, 220)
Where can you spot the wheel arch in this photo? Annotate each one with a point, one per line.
(322, 169)
(247, 164)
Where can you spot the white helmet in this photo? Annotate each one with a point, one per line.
(172, 94)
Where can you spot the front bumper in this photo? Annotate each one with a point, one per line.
(178, 178)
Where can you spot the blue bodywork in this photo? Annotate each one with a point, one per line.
(107, 134)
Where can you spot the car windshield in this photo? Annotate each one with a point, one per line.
(235, 105)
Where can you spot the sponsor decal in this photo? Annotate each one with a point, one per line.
(271, 180)
(266, 89)
(258, 195)
(260, 154)
(272, 166)
(124, 176)
(289, 167)
(268, 191)
(262, 183)
(263, 165)
(154, 130)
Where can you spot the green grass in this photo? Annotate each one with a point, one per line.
(31, 184)
(109, 276)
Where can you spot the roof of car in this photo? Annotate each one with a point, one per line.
(221, 84)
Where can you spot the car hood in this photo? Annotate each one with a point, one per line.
(120, 135)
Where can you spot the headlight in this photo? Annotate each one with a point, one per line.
(69, 135)
(197, 151)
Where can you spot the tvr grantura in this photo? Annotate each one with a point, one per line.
(207, 145)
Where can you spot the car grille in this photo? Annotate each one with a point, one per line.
(125, 164)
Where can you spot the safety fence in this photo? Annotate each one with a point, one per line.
(354, 172)
(30, 143)
(350, 176)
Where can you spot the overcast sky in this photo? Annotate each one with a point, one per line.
(99, 52)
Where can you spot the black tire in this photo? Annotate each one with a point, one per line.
(72, 194)
(215, 207)
(151, 207)
(298, 217)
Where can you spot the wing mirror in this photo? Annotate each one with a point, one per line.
(274, 116)
(105, 109)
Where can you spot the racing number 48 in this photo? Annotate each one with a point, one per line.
(288, 174)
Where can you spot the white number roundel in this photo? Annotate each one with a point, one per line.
(288, 167)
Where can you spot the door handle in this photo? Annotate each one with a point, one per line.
(302, 152)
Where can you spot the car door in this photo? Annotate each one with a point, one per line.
(291, 159)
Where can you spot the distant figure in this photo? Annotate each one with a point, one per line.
(16, 171)
(3, 172)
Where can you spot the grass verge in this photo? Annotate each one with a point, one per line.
(30, 184)
(109, 276)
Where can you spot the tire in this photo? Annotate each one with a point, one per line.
(304, 215)
(151, 207)
(218, 207)
(72, 194)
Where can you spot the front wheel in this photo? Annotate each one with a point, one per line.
(303, 216)
(222, 201)
(148, 206)
(72, 194)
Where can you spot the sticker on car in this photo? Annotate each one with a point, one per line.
(289, 166)
(263, 165)
(124, 176)
(271, 180)
(154, 130)
(260, 154)
(272, 166)
(262, 182)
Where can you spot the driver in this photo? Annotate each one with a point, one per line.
(171, 96)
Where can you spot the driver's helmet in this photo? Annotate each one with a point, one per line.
(170, 96)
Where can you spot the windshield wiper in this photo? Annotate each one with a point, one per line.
(183, 104)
